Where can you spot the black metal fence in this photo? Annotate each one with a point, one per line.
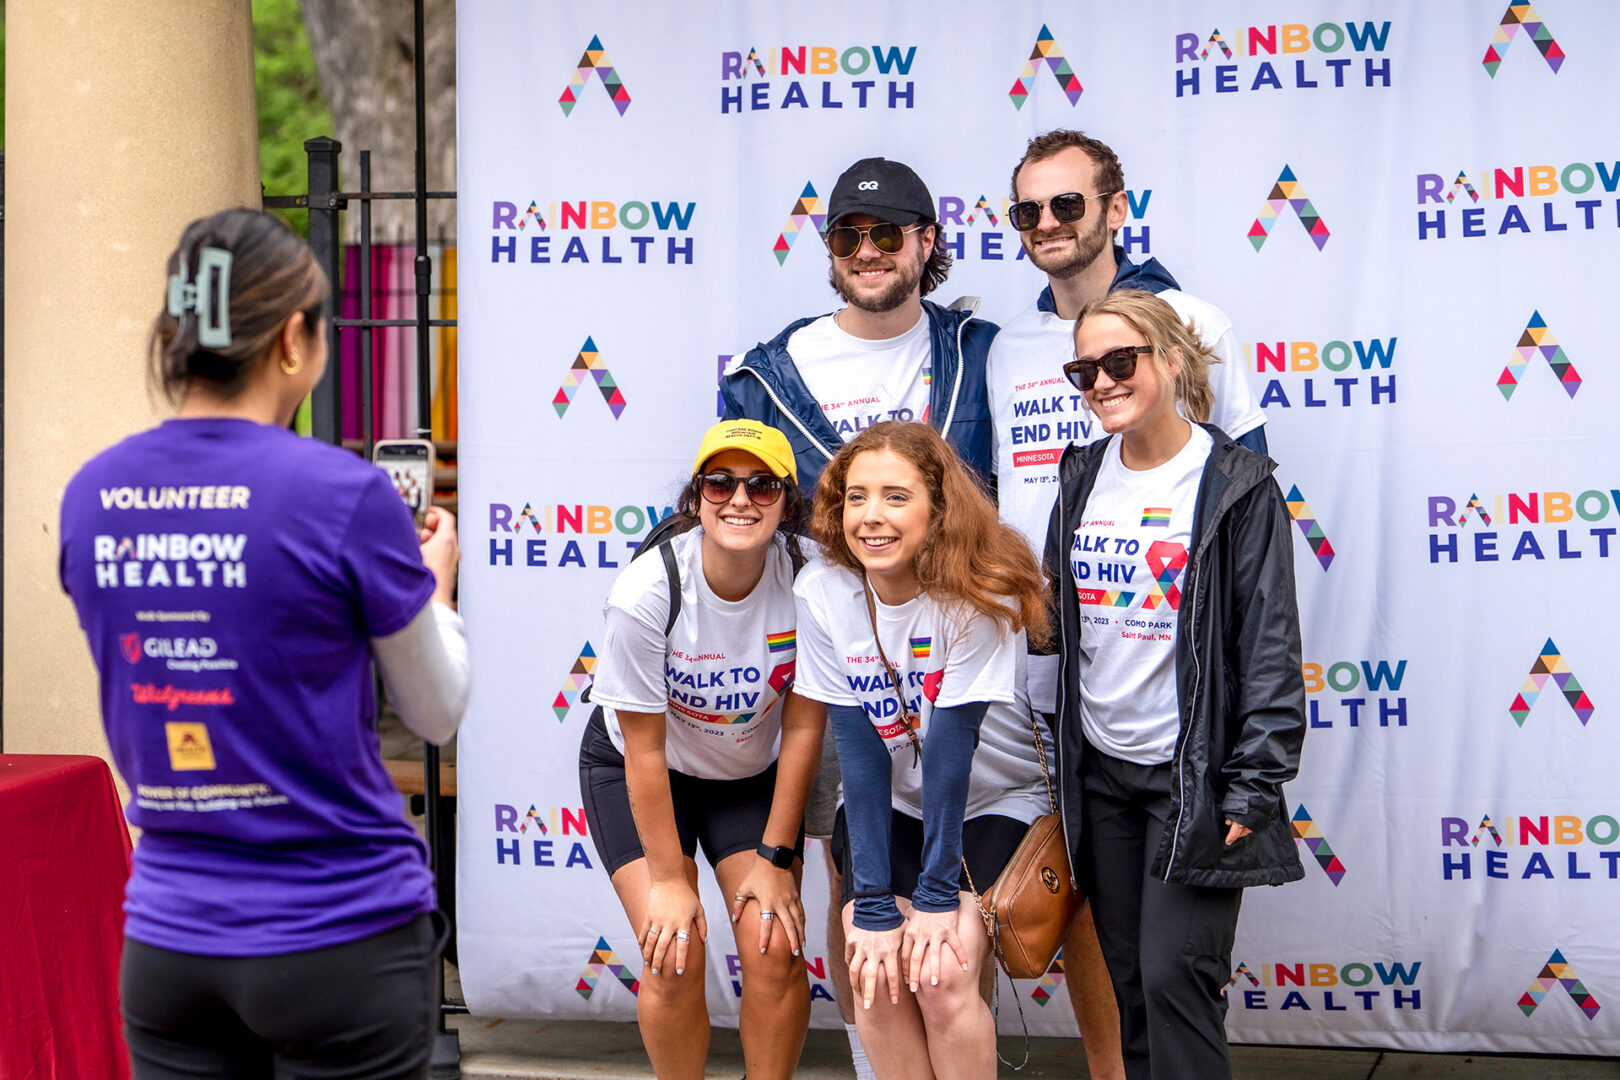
(326, 201)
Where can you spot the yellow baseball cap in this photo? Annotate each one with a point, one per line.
(761, 440)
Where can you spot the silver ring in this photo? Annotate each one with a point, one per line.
(767, 914)
(682, 935)
(738, 897)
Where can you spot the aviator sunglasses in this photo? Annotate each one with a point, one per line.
(718, 487)
(845, 240)
(1070, 206)
(1120, 364)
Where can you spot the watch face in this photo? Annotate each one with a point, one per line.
(779, 857)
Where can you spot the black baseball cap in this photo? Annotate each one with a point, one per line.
(887, 190)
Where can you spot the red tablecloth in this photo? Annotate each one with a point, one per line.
(64, 857)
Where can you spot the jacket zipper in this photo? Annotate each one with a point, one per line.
(956, 388)
(785, 411)
(1181, 751)
(1198, 678)
(1063, 659)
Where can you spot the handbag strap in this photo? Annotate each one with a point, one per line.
(1040, 756)
(893, 676)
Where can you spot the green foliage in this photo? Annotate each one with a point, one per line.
(291, 108)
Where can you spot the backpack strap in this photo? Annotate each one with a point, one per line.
(672, 572)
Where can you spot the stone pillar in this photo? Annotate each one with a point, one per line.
(123, 122)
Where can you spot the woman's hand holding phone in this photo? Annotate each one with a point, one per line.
(441, 552)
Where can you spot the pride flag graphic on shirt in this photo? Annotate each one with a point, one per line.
(782, 642)
(921, 647)
(1156, 517)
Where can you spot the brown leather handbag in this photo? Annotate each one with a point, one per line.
(1034, 902)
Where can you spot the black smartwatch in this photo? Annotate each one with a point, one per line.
(779, 857)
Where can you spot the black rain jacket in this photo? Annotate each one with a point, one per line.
(1238, 674)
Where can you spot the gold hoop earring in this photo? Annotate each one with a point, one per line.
(292, 363)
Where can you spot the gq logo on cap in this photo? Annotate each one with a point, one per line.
(886, 190)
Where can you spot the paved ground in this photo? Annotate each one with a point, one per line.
(531, 1050)
(602, 1051)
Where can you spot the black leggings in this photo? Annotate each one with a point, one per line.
(365, 1009)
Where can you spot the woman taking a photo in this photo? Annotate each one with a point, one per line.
(700, 739)
(235, 582)
(913, 634)
(1181, 706)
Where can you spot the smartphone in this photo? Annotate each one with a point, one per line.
(409, 464)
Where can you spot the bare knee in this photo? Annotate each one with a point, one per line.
(774, 971)
(956, 996)
(671, 993)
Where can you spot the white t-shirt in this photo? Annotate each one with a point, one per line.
(721, 676)
(1129, 557)
(1037, 413)
(942, 657)
(861, 382)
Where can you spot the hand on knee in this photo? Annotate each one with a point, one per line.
(956, 996)
(777, 967)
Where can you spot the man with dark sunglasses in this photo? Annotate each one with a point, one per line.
(1068, 203)
(887, 354)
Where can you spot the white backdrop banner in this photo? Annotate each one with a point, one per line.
(1411, 214)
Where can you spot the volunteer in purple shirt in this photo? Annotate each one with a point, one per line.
(234, 582)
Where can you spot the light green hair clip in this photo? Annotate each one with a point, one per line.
(213, 310)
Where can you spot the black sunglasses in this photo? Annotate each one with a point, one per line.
(845, 240)
(1120, 364)
(718, 487)
(1070, 206)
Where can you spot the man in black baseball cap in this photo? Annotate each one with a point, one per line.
(888, 354)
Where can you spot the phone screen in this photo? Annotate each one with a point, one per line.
(409, 465)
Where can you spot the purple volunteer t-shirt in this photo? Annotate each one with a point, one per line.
(229, 576)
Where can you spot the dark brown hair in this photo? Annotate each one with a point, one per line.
(273, 274)
(1110, 177)
(938, 266)
(969, 555)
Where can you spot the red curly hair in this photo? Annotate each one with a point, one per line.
(969, 555)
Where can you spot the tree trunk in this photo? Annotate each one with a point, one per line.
(364, 51)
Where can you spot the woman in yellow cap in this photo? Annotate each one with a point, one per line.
(699, 739)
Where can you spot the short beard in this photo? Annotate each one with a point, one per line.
(907, 275)
(1088, 245)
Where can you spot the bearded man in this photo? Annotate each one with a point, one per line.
(888, 354)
